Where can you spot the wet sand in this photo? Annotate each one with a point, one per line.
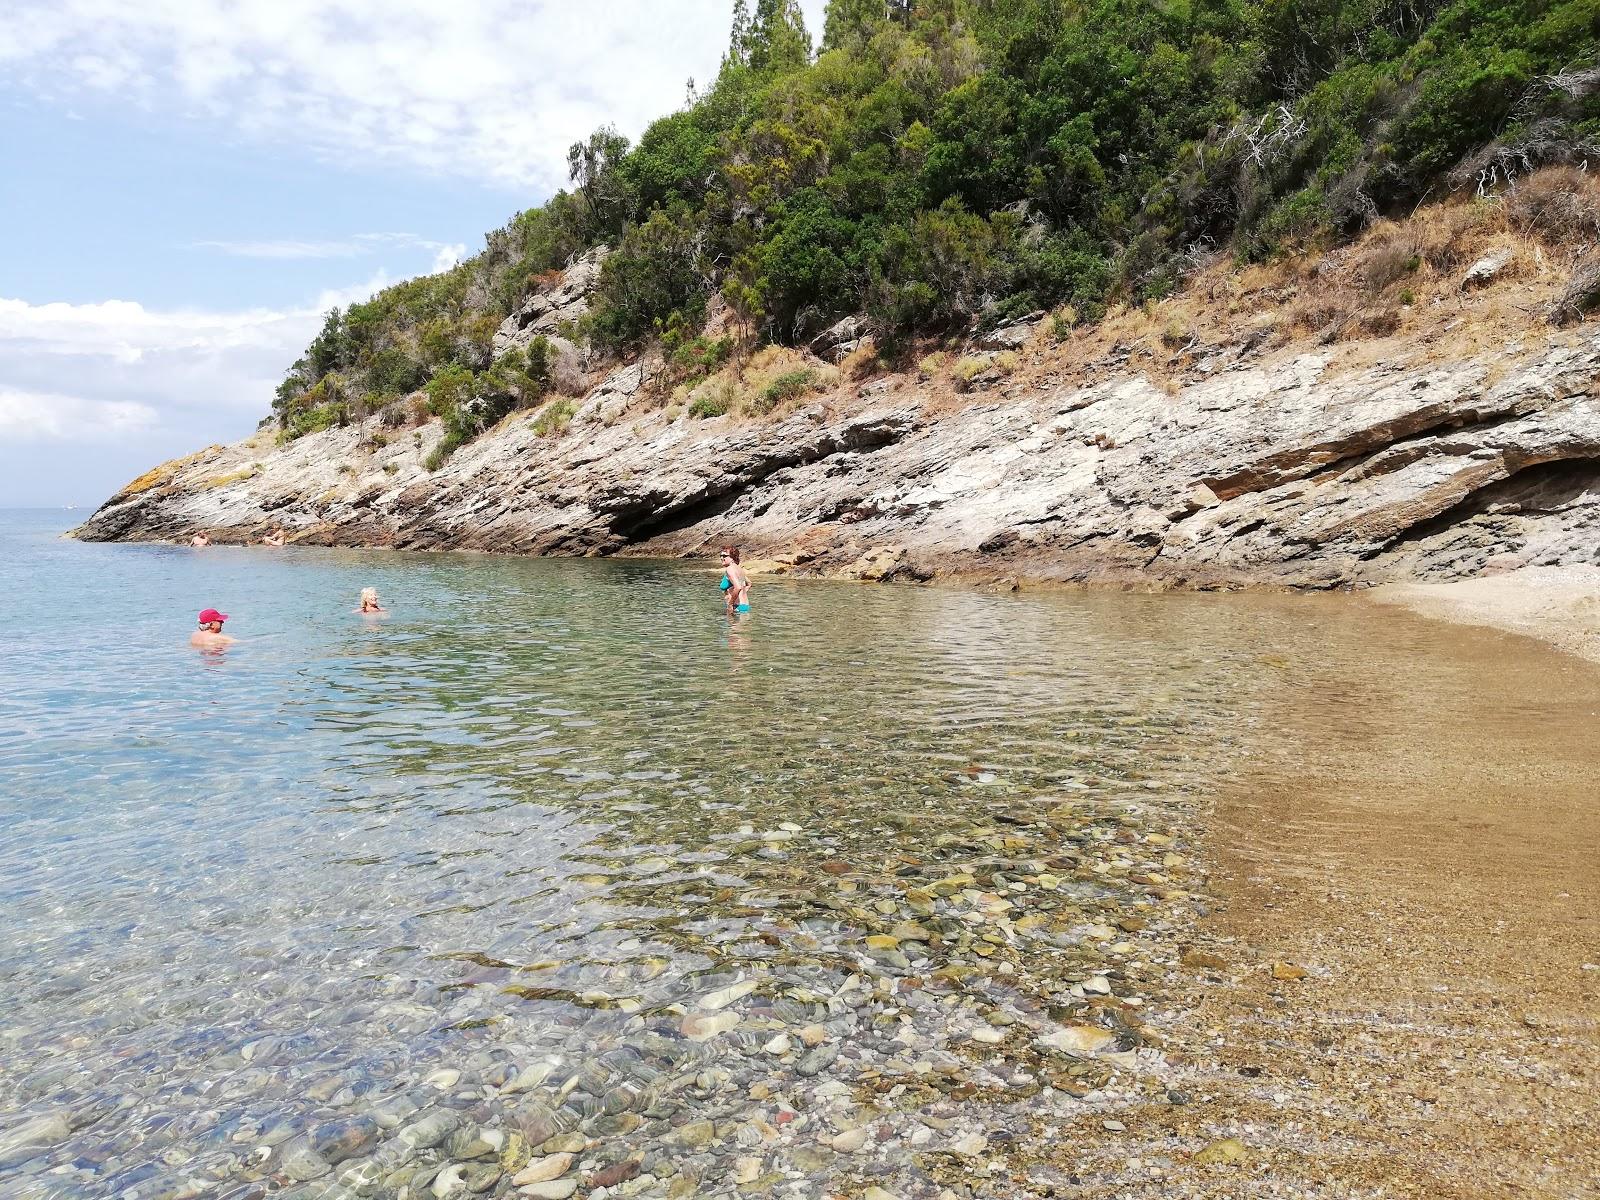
(1445, 907)
(1557, 605)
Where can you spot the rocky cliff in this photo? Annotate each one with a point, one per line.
(1318, 463)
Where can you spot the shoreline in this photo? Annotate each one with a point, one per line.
(1558, 606)
(1430, 896)
(1394, 991)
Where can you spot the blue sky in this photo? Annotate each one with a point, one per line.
(188, 184)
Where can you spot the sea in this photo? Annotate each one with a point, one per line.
(555, 857)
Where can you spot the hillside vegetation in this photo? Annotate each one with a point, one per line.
(941, 164)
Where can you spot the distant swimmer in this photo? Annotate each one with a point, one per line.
(276, 538)
(199, 541)
(369, 602)
(210, 635)
(735, 583)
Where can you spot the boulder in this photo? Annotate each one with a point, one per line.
(1011, 336)
(839, 339)
(1486, 270)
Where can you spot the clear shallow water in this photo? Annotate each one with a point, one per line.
(488, 862)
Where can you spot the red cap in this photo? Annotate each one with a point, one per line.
(211, 615)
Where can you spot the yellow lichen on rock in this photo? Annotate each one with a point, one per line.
(156, 476)
(232, 477)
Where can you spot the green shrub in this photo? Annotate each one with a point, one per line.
(655, 272)
(450, 389)
(1062, 322)
(791, 385)
(690, 358)
(310, 420)
(554, 417)
(714, 399)
(393, 370)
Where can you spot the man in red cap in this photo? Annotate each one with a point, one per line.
(210, 632)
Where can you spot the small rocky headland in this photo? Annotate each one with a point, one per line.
(1026, 295)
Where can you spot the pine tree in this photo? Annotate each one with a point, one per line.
(851, 23)
(739, 37)
(778, 39)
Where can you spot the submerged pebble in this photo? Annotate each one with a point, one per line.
(540, 958)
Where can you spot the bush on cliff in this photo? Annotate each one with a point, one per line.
(469, 402)
(945, 162)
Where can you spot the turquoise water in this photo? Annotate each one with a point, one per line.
(488, 861)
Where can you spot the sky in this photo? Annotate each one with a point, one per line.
(187, 185)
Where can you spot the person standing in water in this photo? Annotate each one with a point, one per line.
(735, 583)
(369, 603)
(199, 541)
(210, 636)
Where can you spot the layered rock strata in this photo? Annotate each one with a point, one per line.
(1283, 469)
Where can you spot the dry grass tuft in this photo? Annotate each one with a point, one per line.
(967, 370)
(775, 380)
(1559, 206)
(1450, 236)
(860, 362)
(1390, 255)
(1325, 310)
(222, 481)
(1381, 323)
(156, 476)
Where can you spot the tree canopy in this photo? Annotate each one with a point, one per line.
(937, 162)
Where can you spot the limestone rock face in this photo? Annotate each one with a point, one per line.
(1285, 470)
(1011, 337)
(839, 339)
(545, 310)
(612, 398)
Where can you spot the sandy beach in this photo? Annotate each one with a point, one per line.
(1443, 1040)
(1557, 605)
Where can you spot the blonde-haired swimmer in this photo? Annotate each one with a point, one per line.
(369, 602)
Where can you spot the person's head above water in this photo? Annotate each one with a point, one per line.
(211, 620)
(731, 553)
(369, 600)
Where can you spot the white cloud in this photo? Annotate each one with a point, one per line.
(42, 416)
(445, 254)
(445, 257)
(496, 88)
(133, 368)
(285, 249)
